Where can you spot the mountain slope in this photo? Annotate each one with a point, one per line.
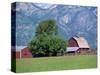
(71, 21)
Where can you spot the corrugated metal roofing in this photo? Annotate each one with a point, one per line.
(72, 49)
(82, 42)
(18, 48)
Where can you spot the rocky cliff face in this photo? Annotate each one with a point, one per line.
(71, 21)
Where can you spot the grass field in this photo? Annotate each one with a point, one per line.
(56, 63)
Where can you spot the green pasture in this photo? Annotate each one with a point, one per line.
(56, 63)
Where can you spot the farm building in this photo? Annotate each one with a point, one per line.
(21, 52)
(78, 45)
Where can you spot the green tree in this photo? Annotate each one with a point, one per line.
(58, 46)
(47, 42)
(46, 26)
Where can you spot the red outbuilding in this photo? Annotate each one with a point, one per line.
(21, 52)
(26, 53)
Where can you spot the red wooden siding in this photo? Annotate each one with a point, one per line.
(72, 43)
(18, 54)
(26, 53)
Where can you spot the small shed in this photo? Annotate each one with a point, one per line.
(21, 52)
(77, 45)
(26, 53)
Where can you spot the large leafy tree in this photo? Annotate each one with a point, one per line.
(47, 42)
(47, 26)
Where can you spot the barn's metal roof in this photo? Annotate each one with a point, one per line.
(82, 42)
(18, 48)
(72, 49)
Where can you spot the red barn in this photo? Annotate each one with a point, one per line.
(78, 45)
(21, 52)
(26, 53)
